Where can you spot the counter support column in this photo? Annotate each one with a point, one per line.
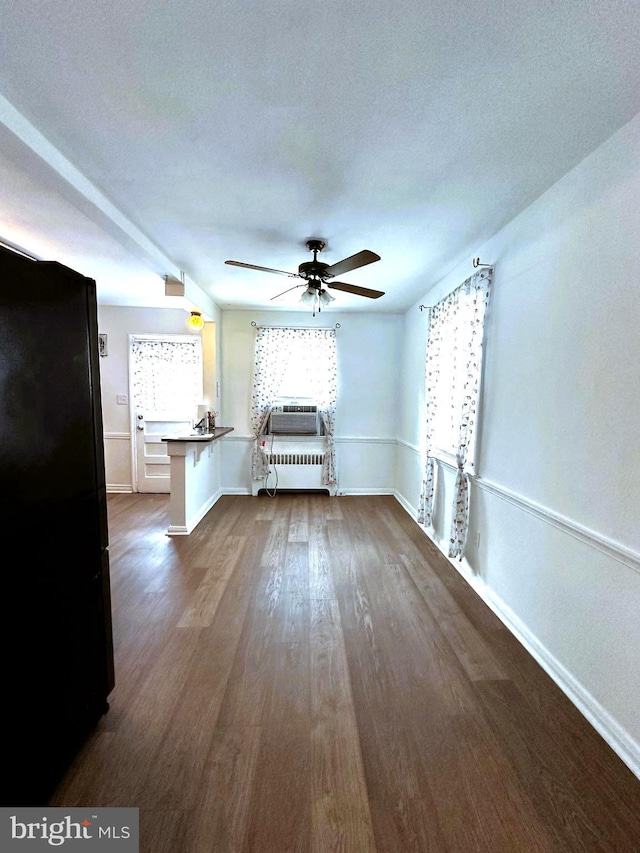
(193, 461)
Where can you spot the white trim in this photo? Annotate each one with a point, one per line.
(375, 491)
(446, 458)
(192, 522)
(354, 439)
(116, 436)
(447, 463)
(413, 448)
(404, 503)
(627, 749)
(169, 336)
(346, 439)
(609, 547)
(442, 458)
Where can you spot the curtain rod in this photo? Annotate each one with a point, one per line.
(476, 265)
(299, 328)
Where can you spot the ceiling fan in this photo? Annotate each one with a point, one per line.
(318, 276)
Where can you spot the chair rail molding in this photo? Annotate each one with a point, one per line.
(609, 547)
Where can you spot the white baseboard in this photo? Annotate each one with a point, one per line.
(625, 747)
(376, 491)
(613, 733)
(119, 488)
(404, 503)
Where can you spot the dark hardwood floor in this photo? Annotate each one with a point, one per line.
(306, 673)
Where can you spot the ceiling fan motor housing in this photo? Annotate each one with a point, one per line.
(312, 269)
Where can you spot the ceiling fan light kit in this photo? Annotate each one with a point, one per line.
(318, 276)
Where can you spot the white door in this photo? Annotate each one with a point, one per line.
(152, 461)
(166, 389)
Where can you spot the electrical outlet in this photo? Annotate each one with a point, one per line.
(121, 399)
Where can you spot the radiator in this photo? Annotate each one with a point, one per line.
(294, 467)
(295, 458)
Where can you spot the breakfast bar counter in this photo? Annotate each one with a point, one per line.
(194, 477)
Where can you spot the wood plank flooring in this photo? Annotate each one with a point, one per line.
(306, 673)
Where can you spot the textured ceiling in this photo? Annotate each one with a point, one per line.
(140, 139)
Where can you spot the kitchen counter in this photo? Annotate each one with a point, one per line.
(196, 436)
(195, 476)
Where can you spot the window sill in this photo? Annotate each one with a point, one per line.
(449, 461)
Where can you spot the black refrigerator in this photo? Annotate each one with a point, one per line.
(56, 606)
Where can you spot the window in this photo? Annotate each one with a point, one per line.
(167, 374)
(300, 363)
(297, 373)
(453, 364)
(295, 363)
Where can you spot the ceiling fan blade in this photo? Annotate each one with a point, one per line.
(354, 288)
(262, 269)
(360, 259)
(288, 290)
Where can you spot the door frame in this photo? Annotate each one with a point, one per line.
(132, 403)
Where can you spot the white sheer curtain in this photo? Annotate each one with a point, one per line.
(299, 362)
(167, 374)
(452, 371)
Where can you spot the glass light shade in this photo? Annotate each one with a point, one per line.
(326, 298)
(308, 297)
(195, 321)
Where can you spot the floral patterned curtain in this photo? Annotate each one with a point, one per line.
(454, 356)
(434, 344)
(311, 355)
(167, 374)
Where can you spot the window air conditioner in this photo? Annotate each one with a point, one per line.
(294, 419)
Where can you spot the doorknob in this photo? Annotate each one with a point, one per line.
(141, 428)
(140, 417)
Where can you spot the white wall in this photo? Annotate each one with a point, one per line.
(369, 349)
(556, 501)
(118, 323)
